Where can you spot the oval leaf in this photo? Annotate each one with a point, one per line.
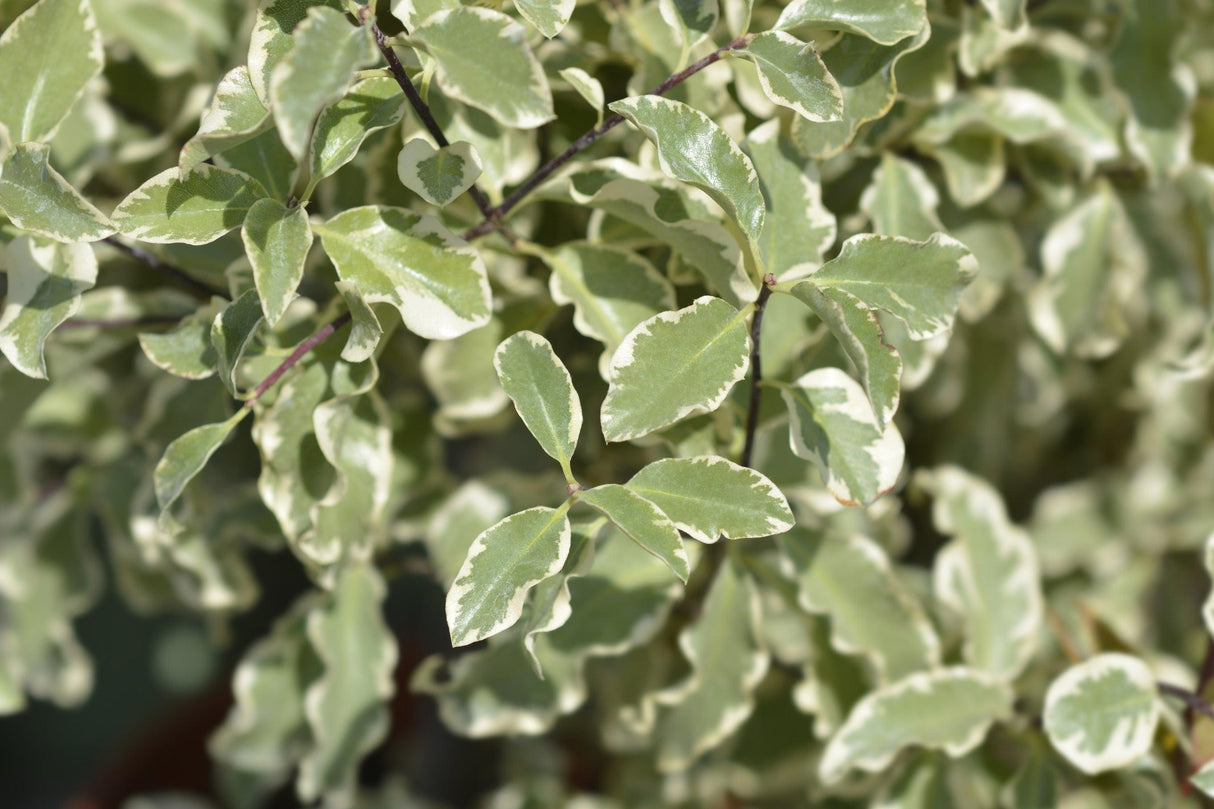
(370, 105)
(542, 391)
(231, 333)
(885, 23)
(37, 198)
(236, 115)
(794, 76)
(197, 209)
(276, 240)
(548, 16)
(187, 455)
(643, 522)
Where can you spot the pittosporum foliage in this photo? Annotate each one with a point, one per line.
(798, 404)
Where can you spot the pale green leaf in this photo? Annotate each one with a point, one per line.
(1092, 266)
(974, 163)
(695, 18)
(542, 391)
(438, 175)
(612, 291)
(185, 351)
(411, 261)
(197, 209)
(1008, 13)
(919, 282)
(1015, 113)
(861, 337)
(502, 565)
(328, 49)
(187, 455)
(47, 56)
(1035, 784)
(37, 198)
(723, 649)
(798, 228)
(1101, 714)
(271, 40)
(347, 707)
(588, 87)
(885, 23)
(793, 75)
(901, 200)
(365, 329)
(461, 376)
(946, 709)
(1203, 779)
(370, 105)
(674, 365)
(694, 149)
(276, 240)
(548, 16)
(231, 332)
(235, 115)
(412, 12)
(988, 575)
(852, 582)
(457, 521)
(45, 281)
(504, 79)
(711, 497)
(833, 425)
(643, 522)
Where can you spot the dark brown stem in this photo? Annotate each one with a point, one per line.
(153, 261)
(582, 143)
(296, 355)
(427, 118)
(1192, 701)
(756, 369)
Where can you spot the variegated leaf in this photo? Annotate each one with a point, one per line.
(793, 75)
(194, 209)
(643, 522)
(543, 394)
(37, 198)
(438, 175)
(276, 240)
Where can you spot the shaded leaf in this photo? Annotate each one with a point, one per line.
(588, 87)
(235, 115)
(36, 198)
(276, 240)
(197, 209)
(365, 330)
(187, 455)
(548, 16)
(643, 522)
(231, 333)
(185, 351)
(370, 105)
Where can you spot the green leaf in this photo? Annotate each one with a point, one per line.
(411, 261)
(833, 425)
(675, 365)
(901, 201)
(588, 87)
(365, 330)
(457, 521)
(543, 394)
(643, 522)
(438, 175)
(919, 282)
(187, 455)
(186, 351)
(276, 240)
(946, 709)
(548, 16)
(231, 333)
(861, 337)
(315, 73)
(1093, 266)
(723, 649)
(461, 376)
(793, 75)
(271, 39)
(45, 281)
(798, 228)
(988, 575)
(347, 706)
(503, 564)
(504, 79)
(1101, 714)
(551, 601)
(36, 198)
(851, 581)
(884, 23)
(612, 291)
(266, 160)
(1035, 784)
(694, 149)
(695, 18)
(711, 497)
(197, 209)
(47, 56)
(370, 105)
(235, 115)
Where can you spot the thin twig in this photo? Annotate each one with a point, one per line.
(153, 261)
(296, 355)
(584, 142)
(756, 369)
(1191, 700)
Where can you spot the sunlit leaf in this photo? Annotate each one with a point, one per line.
(37, 198)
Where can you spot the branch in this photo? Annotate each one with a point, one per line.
(581, 144)
(296, 355)
(151, 260)
(756, 368)
(1192, 701)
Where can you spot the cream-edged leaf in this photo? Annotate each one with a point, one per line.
(231, 332)
(947, 709)
(436, 280)
(45, 281)
(674, 365)
(1101, 714)
(37, 198)
(365, 329)
(370, 105)
(438, 175)
(276, 240)
(643, 522)
(504, 79)
(186, 350)
(271, 40)
(885, 23)
(47, 56)
(588, 87)
(832, 424)
(194, 209)
(187, 455)
(711, 497)
(901, 200)
(235, 115)
(793, 75)
(501, 567)
(548, 16)
(542, 391)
